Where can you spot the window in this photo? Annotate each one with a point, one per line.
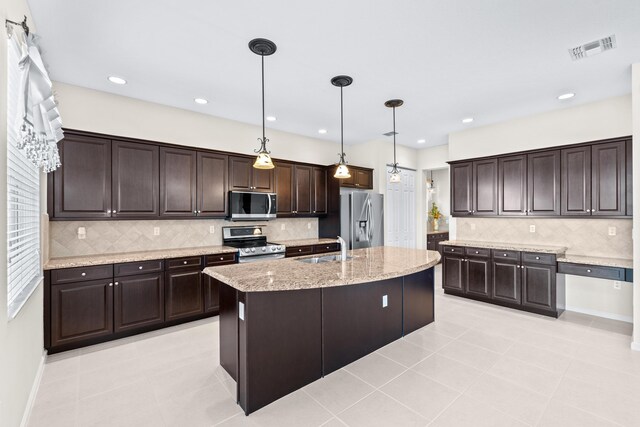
(23, 204)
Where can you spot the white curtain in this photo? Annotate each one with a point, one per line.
(38, 121)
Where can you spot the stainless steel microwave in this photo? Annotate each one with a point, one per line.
(251, 206)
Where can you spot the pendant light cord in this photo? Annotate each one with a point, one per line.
(395, 163)
(341, 126)
(264, 137)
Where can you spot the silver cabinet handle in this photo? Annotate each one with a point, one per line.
(588, 210)
(114, 212)
(110, 284)
(140, 268)
(117, 283)
(299, 250)
(184, 262)
(221, 258)
(588, 270)
(476, 251)
(504, 254)
(453, 250)
(199, 212)
(537, 257)
(195, 212)
(83, 274)
(108, 211)
(517, 266)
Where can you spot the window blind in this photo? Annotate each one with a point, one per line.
(23, 202)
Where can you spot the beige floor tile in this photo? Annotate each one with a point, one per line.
(183, 380)
(204, 407)
(104, 355)
(446, 327)
(560, 415)
(549, 342)
(404, 352)
(455, 375)
(375, 369)
(57, 393)
(487, 341)
(468, 412)
(129, 399)
(539, 357)
(528, 376)
(109, 376)
(334, 422)
(379, 410)
(517, 402)
(428, 339)
(604, 377)
(338, 390)
(65, 415)
(471, 355)
(424, 396)
(56, 368)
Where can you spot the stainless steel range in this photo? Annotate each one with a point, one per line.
(252, 244)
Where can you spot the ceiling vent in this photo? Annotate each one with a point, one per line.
(390, 133)
(593, 48)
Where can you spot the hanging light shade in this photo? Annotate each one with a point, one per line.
(263, 47)
(395, 173)
(342, 171)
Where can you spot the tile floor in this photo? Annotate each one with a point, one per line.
(477, 365)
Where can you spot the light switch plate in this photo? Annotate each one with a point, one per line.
(309, 225)
(617, 284)
(212, 229)
(385, 301)
(156, 231)
(532, 229)
(241, 311)
(82, 233)
(282, 227)
(612, 231)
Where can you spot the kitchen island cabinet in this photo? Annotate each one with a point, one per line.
(282, 330)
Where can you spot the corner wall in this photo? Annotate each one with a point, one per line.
(635, 93)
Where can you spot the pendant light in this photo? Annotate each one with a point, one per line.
(263, 47)
(395, 173)
(342, 171)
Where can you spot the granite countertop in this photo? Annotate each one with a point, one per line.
(305, 242)
(438, 231)
(607, 262)
(507, 246)
(100, 259)
(367, 265)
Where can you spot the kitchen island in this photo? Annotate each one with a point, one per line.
(287, 323)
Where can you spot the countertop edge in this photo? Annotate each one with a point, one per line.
(550, 249)
(599, 261)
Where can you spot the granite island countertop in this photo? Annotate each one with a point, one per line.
(589, 260)
(367, 265)
(115, 258)
(304, 242)
(507, 246)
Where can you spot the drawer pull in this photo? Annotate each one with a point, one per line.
(588, 270)
(299, 250)
(453, 250)
(184, 262)
(117, 283)
(221, 258)
(504, 254)
(83, 274)
(537, 257)
(140, 268)
(476, 251)
(110, 284)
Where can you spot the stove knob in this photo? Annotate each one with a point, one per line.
(253, 249)
(273, 248)
(279, 248)
(264, 249)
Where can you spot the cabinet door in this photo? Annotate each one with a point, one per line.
(183, 294)
(543, 183)
(629, 183)
(608, 185)
(576, 181)
(363, 178)
(212, 184)
(81, 311)
(82, 185)
(507, 283)
(454, 273)
(478, 276)
(346, 182)
(461, 189)
(539, 286)
(263, 179)
(319, 191)
(136, 179)
(284, 177)
(303, 189)
(240, 173)
(485, 187)
(211, 294)
(138, 301)
(512, 185)
(177, 182)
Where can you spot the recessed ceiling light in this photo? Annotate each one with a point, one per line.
(422, 141)
(322, 131)
(200, 101)
(566, 96)
(117, 80)
(467, 120)
(271, 119)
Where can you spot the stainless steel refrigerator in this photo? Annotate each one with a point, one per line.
(362, 219)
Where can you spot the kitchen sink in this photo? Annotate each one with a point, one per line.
(321, 259)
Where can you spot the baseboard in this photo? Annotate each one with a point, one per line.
(635, 346)
(34, 391)
(612, 316)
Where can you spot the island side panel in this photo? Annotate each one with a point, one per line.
(418, 300)
(228, 318)
(355, 323)
(280, 348)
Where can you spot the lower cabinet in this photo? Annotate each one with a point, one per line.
(507, 282)
(184, 294)
(478, 276)
(294, 251)
(538, 286)
(138, 301)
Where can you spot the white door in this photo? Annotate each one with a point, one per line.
(400, 222)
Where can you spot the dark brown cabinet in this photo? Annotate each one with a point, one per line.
(507, 280)
(211, 286)
(512, 185)
(319, 200)
(183, 289)
(138, 301)
(82, 188)
(608, 188)
(243, 176)
(434, 239)
(454, 272)
(461, 188)
(543, 183)
(485, 187)
(478, 276)
(178, 176)
(538, 286)
(629, 183)
(301, 189)
(576, 181)
(361, 178)
(211, 194)
(284, 184)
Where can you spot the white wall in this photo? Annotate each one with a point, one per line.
(607, 118)
(636, 206)
(21, 339)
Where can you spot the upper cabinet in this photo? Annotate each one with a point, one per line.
(301, 189)
(583, 180)
(361, 178)
(178, 176)
(284, 182)
(244, 177)
(135, 180)
(319, 198)
(212, 184)
(629, 177)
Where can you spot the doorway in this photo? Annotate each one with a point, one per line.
(400, 224)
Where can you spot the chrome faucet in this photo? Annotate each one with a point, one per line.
(343, 249)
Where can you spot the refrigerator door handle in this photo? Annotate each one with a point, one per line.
(370, 220)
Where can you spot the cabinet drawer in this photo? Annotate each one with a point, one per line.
(458, 250)
(329, 247)
(536, 258)
(599, 271)
(478, 252)
(219, 259)
(437, 236)
(506, 255)
(188, 262)
(299, 250)
(130, 268)
(81, 274)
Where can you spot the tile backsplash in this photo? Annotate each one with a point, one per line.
(103, 237)
(581, 236)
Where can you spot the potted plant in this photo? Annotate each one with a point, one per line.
(435, 216)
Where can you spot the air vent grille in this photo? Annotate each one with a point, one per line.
(593, 48)
(390, 133)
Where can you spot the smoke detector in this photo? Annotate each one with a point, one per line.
(593, 48)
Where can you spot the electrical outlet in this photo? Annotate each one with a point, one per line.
(212, 229)
(309, 226)
(282, 227)
(156, 231)
(532, 229)
(385, 301)
(612, 231)
(473, 226)
(82, 233)
(617, 284)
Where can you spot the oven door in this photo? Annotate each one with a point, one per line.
(269, 257)
(248, 206)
